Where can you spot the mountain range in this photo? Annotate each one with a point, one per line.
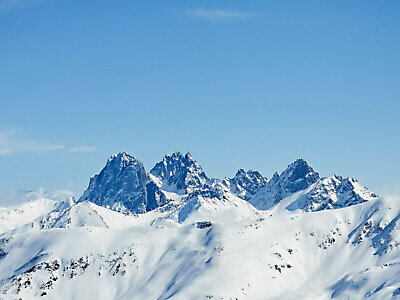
(175, 233)
(124, 185)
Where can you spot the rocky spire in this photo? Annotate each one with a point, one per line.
(180, 171)
(123, 185)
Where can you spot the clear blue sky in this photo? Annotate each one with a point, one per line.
(252, 84)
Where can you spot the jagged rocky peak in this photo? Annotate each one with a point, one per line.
(245, 183)
(245, 175)
(122, 159)
(121, 185)
(179, 171)
(332, 193)
(299, 175)
(315, 193)
(124, 186)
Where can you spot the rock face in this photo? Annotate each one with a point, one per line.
(331, 193)
(179, 172)
(315, 193)
(124, 186)
(245, 183)
(155, 197)
(298, 176)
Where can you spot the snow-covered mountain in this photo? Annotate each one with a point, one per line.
(27, 206)
(313, 193)
(175, 233)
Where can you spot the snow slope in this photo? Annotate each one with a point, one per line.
(220, 252)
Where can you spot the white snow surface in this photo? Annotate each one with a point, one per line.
(28, 205)
(18, 215)
(200, 248)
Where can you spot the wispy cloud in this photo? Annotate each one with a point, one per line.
(7, 145)
(217, 14)
(83, 149)
(6, 5)
(42, 148)
(6, 151)
(14, 141)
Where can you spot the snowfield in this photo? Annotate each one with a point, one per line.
(206, 244)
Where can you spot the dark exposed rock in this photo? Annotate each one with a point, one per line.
(124, 186)
(179, 171)
(245, 183)
(203, 224)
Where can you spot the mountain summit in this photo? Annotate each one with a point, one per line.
(124, 186)
(245, 183)
(299, 175)
(313, 193)
(180, 172)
